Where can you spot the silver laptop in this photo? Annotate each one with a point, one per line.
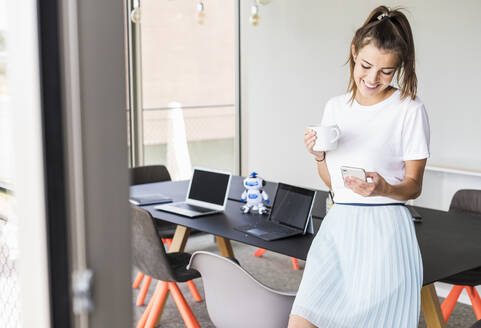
(207, 194)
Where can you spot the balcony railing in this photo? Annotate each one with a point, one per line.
(205, 132)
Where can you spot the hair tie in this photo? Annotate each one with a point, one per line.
(383, 15)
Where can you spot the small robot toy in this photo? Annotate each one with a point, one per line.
(253, 195)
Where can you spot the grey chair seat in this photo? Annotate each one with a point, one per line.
(466, 278)
(178, 262)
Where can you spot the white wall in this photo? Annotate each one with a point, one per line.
(439, 188)
(293, 62)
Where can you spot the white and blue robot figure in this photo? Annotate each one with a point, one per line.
(253, 195)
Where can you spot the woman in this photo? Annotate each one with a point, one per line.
(364, 267)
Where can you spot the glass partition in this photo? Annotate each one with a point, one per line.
(188, 84)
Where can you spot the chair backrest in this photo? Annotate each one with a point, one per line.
(466, 201)
(149, 174)
(235, 299)
(148, 251)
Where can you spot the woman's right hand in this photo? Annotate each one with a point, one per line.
(309, 141)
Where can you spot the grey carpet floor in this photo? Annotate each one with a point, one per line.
(272, 269)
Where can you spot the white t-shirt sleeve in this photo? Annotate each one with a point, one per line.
(328, 115)
(415, 136)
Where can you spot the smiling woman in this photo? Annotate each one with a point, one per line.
(364, 267)
(385, 39)
(373, 81)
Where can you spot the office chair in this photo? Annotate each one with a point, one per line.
(235, 299)
(149, 174)
(151, 258)
(166, 230)
(464, 201)
(260, 251)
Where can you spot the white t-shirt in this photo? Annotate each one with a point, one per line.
(377, 138)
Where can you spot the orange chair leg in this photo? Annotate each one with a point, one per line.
(475, 301)
(184, 309)
(143, 291)
(194, 291)
(450, 301)
(138, 280)
(259, 252)
(295, 263)
(159, 297)
(145, 315)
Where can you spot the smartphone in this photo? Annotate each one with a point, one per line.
(357, 172)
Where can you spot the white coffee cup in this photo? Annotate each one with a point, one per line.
(327, 137)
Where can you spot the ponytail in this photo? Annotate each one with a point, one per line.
(388, 30)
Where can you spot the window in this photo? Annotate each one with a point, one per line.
(189, 85)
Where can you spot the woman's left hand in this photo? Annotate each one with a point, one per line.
(376, 187)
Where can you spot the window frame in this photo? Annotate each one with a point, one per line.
(135, 107)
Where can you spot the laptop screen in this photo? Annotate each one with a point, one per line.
(292, 206)
(207, 186)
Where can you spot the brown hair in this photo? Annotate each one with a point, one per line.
(389, 30)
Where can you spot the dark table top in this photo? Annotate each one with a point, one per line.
(449, 242)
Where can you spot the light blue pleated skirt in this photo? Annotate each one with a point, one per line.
(363, 269)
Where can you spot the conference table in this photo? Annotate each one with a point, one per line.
(450, 243)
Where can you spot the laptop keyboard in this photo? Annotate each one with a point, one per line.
(272, 227)
(193, 208)
(268, 230)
